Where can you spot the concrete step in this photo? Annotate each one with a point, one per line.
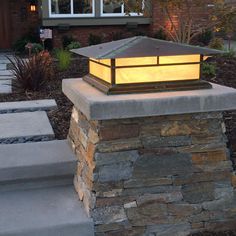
(3, 66)
(6, 73)
(6, 77)
(25, 127)
(43, 212)
(24, 106)
(31, 162)
(5, 86)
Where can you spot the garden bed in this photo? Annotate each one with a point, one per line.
(52, 89)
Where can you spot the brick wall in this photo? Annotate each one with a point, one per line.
(22, 20)
(107, 33)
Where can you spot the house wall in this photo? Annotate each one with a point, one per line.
(22, 20)
(108, 28)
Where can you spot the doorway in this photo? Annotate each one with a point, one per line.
(5, 25)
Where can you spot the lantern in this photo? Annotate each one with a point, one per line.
(33, 5)
(142, 64)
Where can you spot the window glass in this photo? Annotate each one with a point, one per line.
(83, 6)
(60, 7)
(112, 6)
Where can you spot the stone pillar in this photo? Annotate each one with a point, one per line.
(144, 169)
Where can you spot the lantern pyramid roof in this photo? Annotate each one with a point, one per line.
(141, 46)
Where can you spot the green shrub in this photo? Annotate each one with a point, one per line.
(208, 69)
(73, 45)
(19, 45)
(217, 43)
(160, 34)
(64, 59)
(94, 39)
(31, 73)
(229, 54)
(36, 48)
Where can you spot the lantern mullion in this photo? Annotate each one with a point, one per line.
(113, 72)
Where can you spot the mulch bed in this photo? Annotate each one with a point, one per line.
(60, 118)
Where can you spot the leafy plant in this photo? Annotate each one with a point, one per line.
(36, 48)
(64, 59)
(217, 43)
(208, 69)
(94, 39)
(229, 54)
(31, 73)
(19, 45)
(73, 45)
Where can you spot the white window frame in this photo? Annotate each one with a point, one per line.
(71, 15)
(117, 14)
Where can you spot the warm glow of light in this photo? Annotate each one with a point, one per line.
(103, 61)
(100, 71)
(179, 59)
(136, 61)
(142, 72)
(206, 57)
(157, 74)
(33, 8)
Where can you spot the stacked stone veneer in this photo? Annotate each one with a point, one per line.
(163, 175)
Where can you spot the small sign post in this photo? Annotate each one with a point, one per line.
(45, 34)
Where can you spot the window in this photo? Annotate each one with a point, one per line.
(116, 8)
(71, 8)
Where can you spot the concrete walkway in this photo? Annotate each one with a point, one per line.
(37, 195)
(5, 74)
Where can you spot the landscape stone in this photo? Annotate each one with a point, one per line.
(3, 66)
(161, 198)
(108, 215)
(115, 157)
(176, 141)
(209, 157)
(178, 176)
(24, 106)
(96, 105)
(168, 229)
(162, 165)
(6, 73)
(5, 86)
(25, 126)
(199, 192)
(118, 132)
(119, 145)
(234, 179)
(115, 172)
(147, 182)
(36, 160)
(47, 211)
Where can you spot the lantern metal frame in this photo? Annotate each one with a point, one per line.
(140, 47)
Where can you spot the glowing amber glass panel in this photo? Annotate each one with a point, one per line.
(103, 61)
(179, 59)
(136, 61)
(100, 71)
(157, 74)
